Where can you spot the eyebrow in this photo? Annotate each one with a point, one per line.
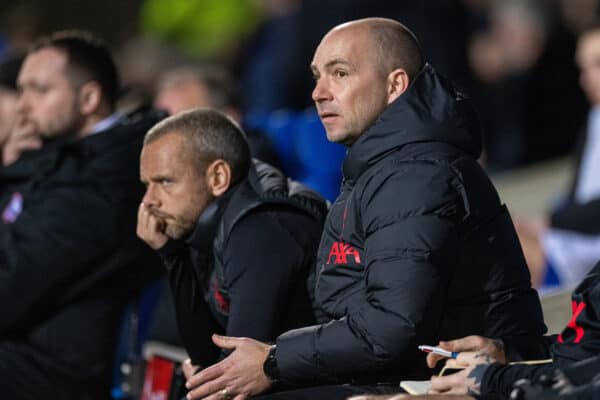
(331, 64)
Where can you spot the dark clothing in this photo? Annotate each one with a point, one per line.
(579, 341)
(573, 215)
(331, 392)
(244, 269)
(416, 248)
(69, 261)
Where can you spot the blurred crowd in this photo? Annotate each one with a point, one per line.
(516, 59)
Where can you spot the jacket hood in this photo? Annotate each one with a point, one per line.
(431, 110)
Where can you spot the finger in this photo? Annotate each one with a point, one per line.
(452, 363)
(442, 384)
(29, 143)
(467, 358)
(188, 368)
(211, 388)
(226, 342)
(240, 397)
(155, 225)
(206, 375)
(214, 396)
(142, 225)
(468, 343)
(433, 359)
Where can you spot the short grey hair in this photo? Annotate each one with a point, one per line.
(208, 135)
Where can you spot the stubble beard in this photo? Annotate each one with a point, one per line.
(179, 229)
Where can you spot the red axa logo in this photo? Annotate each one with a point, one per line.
(579, 332)
(339, 254)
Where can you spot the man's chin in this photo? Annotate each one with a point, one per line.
(342, 138)
(177, 232)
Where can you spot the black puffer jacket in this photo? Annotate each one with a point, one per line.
(416, 248)
(70, 261)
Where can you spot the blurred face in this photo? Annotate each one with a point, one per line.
(175, 192)
(48, 101)
(180, 96)
(8, 106)
(350, 91)
(588, 59)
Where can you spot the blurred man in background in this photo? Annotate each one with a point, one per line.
(69, 256)
(9, 69)
(561, 249)
(188, 87)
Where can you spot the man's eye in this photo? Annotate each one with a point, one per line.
(41, 89)
(165, 182)
(340, 74)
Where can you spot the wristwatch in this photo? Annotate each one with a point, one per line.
(270, 365)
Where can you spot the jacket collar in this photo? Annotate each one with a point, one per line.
(431, 110)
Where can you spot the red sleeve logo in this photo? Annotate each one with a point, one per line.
(339, 253)
(579, 331)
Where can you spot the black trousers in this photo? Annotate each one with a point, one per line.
(331, 392)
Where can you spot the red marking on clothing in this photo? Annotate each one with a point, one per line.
(340, 251)
(344, 222)
(579, 331)
(222, 302)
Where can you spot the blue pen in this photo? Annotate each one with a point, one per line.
(439, 351)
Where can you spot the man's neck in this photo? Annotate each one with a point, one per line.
(93, 124)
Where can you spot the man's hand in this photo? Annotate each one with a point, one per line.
(473, 350)
(237, 377)
(465, 382)
(23, 137)
(189, 369)
(150, 228)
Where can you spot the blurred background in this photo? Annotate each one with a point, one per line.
(514, 57)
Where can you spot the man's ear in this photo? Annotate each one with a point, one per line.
(398, 82)
(90, 97)
(218, 177)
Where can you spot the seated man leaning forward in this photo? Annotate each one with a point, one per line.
(237, 238)
(417, 247)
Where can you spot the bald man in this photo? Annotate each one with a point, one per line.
(417, 246)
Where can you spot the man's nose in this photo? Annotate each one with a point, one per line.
(321, 91)
(150, 198)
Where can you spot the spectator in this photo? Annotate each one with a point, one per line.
(416, 247)
(516, 59)
(563, 248)
(188, 87)
(9, 69)
(69, 256)
(238, 240)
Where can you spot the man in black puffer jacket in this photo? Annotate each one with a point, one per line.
(237, 238)
(417, 247)
(69, 258)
